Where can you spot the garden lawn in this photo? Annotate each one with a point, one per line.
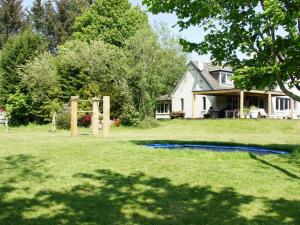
(50, 178)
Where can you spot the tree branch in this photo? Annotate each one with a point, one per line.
(285, 90)
(295, 82)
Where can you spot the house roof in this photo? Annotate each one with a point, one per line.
(207, 72)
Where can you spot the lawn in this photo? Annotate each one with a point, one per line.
(50, 178)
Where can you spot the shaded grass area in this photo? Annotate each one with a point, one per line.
(54, 179)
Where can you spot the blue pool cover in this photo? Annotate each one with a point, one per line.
(217, 148)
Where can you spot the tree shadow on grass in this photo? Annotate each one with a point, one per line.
(279, 168)
(107, 197)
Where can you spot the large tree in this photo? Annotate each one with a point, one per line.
(259, 38)
(17, 51)
(37, 16)
(11, 16)
(112, 21)
(154, 67)
(55, 19)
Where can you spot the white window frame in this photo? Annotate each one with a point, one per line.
(165, 105)
(279, 101)
(228, 81)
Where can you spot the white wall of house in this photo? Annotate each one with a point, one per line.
(193, 80)
(183, 93)
(296, 104)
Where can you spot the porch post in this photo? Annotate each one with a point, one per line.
(193, 106)
(241, 104)
(292, 107)
(269, 103)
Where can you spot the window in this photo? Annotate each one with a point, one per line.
(204, 103)
(163, 107)
(283, 104)
(182, 104)
(226, 79)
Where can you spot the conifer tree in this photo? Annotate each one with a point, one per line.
(11, 16)
(37, 16)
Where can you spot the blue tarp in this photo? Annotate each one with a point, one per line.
(217, 148)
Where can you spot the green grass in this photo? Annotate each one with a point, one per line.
(48, 178)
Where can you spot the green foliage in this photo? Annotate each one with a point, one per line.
(55, 19)
(63, 121)
(37, 15)
(129, 116)
(260, 39)
(90, 70)
(17, 51)
(81, 65)
(19, 108)
(153, 70)
(11, 19)
(40, 80)
(111, 21)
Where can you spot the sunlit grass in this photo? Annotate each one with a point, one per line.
(51, 178)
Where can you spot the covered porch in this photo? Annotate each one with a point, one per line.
(233, 102)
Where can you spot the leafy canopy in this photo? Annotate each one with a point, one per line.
(17, 51)
(111, 21)
(259, 38)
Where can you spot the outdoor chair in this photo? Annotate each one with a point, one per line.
(262, 113)
(3, 119)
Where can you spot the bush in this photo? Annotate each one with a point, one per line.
(178, 114)
(85, 120)
(129, 117)
(18, 108)
(63, 121)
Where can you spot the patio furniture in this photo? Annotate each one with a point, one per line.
(229, 113)
(3, 120)
(262, 113)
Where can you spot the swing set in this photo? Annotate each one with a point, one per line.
(95, 116)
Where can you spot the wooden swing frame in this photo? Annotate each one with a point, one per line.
(95, 116)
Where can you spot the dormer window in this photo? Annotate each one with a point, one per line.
(226, 79)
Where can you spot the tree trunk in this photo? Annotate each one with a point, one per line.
(285, 90)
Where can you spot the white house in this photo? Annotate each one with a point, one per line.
(205, 88)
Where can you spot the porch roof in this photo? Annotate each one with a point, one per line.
(164, 98)
(235, 92)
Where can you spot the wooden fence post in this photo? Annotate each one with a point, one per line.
(95, 117)
(74, 104)
(106, 116)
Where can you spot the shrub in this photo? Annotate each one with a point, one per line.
(63, 121)
(178, 114)
(18, 108)
(85, 120)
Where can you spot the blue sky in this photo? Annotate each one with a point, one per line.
(193, 34)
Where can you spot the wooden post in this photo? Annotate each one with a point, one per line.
(6, 124)
(193, 106)
(269, 103)
(54, 122)
(242, 104)
(292, 102)
(106, 116)
(95, 117)
(74, 104)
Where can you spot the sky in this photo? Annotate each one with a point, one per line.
(194, 34)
